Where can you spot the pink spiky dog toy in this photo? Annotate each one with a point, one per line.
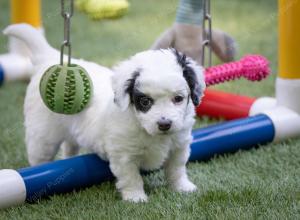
(251, 67)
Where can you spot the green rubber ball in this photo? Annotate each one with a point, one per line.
(66, 89)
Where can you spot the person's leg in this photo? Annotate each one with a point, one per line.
(186, 34)
(190, 12)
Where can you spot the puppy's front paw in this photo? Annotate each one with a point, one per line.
(134, 196)
(184, 185)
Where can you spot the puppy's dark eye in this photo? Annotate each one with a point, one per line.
(177, 99)
(145, 102)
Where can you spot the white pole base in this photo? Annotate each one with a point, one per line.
(16, 67)
(17, 64)
(288, 93)
(12, 189)
(262, 104)
(286, 122)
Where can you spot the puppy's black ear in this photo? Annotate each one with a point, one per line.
(193, 74)
(131, 83)
(124, 82)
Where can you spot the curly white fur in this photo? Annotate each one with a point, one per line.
(111, 126)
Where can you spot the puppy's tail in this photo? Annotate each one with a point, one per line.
(35, 41)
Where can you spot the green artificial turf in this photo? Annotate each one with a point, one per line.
(261, 183)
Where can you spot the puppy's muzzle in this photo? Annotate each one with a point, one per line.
(164, 124)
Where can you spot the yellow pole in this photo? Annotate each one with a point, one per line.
(26, 11)
(289, 39)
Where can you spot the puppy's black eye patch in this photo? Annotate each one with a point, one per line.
(142, 102)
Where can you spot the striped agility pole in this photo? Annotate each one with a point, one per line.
(62, 176)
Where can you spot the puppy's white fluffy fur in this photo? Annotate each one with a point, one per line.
(111, 125)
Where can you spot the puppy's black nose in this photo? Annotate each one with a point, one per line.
(164, 124)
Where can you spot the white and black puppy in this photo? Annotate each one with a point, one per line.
(139, 118)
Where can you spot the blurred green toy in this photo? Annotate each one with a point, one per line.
(101, 9)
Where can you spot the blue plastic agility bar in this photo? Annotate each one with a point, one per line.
(62, 176)
(1, 75)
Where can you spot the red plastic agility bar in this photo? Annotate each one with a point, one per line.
(230, 106)
(217, 104)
